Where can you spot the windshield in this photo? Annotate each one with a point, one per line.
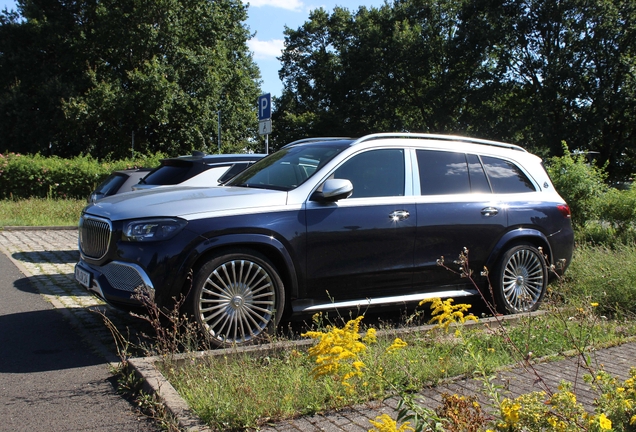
(288, 168)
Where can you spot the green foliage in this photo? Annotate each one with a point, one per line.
(531, 72)
(92, 77)
(23, 176)
(579, 183)
(618, 208)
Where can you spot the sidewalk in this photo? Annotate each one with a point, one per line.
(47, 257)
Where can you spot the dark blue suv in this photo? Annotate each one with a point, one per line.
(333, 223)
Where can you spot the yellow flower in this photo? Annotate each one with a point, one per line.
(510, 412)
(445, 313)
(385, 423)
(594, 304)
(335, 346)
(632, 421)
(604, 422)
(370, 337)
(397, 345)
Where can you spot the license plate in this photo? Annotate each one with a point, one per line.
(83, 277)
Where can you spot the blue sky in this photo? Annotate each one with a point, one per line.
(268, 18)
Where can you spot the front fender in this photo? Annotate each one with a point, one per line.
(273, 248)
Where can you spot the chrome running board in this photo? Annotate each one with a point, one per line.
(304, 306)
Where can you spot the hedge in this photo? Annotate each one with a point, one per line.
(37, 176)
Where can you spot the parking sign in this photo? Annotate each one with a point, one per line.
(265, 107)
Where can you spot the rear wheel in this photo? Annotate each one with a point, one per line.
(521, 280)
(236, 298)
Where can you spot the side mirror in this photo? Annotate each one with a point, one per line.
(333, 190)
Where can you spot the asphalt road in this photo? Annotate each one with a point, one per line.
(50, 379)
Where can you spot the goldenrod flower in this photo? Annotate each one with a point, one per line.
(594, 304)
(397, 345)
(385, 423)
(371, 337)
(445, 313)
(335, 346)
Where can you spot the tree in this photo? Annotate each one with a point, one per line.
(531, 72)
(414, 65)
(156, 71)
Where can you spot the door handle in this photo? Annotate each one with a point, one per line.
(489, 211)
(399, 215)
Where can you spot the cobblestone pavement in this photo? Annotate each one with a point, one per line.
(48, 257)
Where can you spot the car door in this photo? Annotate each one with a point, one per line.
(362, 247)
(455, 210)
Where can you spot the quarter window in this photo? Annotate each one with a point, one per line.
(506, 177)
(375, 173)
(478, 181)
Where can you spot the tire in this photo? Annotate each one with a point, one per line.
(521, 280)
(236, 298)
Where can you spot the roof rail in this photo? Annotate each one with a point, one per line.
(441, 138)
(316, 139)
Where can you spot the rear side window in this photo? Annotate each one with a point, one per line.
(375, 173)
(172, 172)
(506, 177)
(234, 170)
(443, 173)
(111, 185)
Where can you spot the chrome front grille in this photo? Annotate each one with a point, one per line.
(94, 236)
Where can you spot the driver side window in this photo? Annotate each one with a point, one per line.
(375, 173)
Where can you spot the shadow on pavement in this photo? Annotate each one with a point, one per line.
(40, 341)
(57, 257)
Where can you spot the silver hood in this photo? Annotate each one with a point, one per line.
(186, 202)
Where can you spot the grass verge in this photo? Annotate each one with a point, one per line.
(243, 391)
(40, 212)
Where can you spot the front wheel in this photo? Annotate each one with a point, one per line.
(236, 298)
(521, 280)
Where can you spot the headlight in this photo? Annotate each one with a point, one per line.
(152, 229)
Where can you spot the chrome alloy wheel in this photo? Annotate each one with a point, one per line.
(237, 302)
(523, 280)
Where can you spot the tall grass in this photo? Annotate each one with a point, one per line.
(40, 212)
(605, 275)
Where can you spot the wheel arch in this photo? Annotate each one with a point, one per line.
(520, 236)
(266, 245)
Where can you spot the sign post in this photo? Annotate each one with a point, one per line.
(265, 117)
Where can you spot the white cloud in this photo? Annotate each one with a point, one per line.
(294, 5)
(266, 49)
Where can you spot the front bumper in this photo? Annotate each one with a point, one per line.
(117, 283)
